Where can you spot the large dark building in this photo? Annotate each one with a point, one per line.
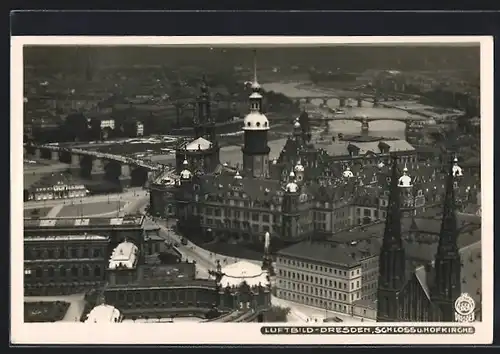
(64, 264)
(305, 193)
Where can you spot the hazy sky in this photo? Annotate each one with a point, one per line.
(347, 58)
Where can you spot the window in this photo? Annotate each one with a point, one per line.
(265, 217)
(50, 253)
(62, 272)
(96, 253)
(51, 272)
(86, 271)
(74, 253)
(74, 271)
(39, 272)
(97, 271)
(85, 252)
(255, 216)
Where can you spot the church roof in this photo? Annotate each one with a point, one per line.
(471, 273)
(198, 144)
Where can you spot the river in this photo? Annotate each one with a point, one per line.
(385, 128)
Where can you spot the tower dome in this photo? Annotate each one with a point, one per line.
(405, 180)
(456, 170)
(237, 175)
(255, 121)
(275, 161)
(347, 173)
(299, 167)
(185, 173)
(296, 124)
(291, 186)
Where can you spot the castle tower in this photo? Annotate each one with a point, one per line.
(255, 126)
(203, 152)
(447, 285)
(204, 124)
(392, 261)
(290, 209)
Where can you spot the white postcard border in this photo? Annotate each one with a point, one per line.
(242, 333)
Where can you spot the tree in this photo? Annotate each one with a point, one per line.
(130, 127)
(75, 127)
(35, 213)
(277, 314)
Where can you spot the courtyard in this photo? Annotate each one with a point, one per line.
(45, 311)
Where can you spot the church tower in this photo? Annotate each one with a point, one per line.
(255, 126)
(447, 285)
(204, 124)
(392, 261)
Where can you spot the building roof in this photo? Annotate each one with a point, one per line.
(179, 274)
(198, 144)
(470, 273)
(66, 238)
(76, 222)
(103, 314)
(347, 255)
(341, 148)
(125, 255)
(243, 271)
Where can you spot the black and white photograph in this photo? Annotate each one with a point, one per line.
(297, 185)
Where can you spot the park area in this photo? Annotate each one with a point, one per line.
(90, 209)
(45, 311)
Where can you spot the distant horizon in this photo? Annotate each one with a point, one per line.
(222, 57)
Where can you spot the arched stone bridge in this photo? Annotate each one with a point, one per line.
(88, 163)
(343, 98)
(365, 121)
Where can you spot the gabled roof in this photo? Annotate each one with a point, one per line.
(471, 273)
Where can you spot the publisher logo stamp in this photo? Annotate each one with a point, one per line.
(464, 308)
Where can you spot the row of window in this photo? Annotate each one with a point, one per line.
(62, 253)
(74, 271)
(339, 213)
(239, 225)
(158, 296)
(321, 269)
(237, 214)
(312, 290)
(312, 301)
(317, 280)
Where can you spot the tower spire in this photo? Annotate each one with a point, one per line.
(447, 285)
(255, 83)
(449, 230)
(255, 66)
(392, 232)
(392, 261)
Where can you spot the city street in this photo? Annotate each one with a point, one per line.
(308, 314)
(205, 260)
